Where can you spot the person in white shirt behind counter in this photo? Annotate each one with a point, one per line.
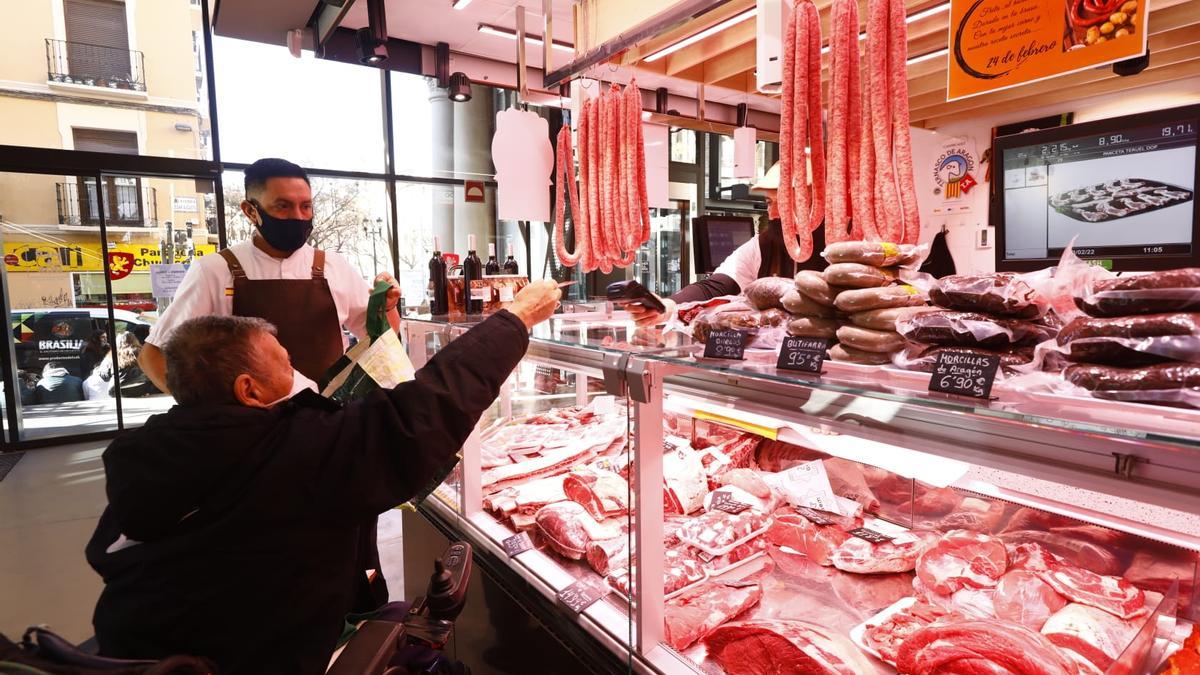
(308, 294)
(763, 256)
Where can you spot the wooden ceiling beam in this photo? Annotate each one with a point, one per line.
(740, 60)
(711, 47)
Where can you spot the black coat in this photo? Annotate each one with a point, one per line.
(249, 517)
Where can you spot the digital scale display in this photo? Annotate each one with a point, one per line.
(1116, 194)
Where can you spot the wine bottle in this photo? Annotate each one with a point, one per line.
(510, 265)
(492, 267)
(473, 271)
(439, 302)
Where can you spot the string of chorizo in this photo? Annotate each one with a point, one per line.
(902, 141)
(565, 173)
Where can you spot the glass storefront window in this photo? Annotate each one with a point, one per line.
(312, 112)
(108, 68)
(683, 146)
(457, 141)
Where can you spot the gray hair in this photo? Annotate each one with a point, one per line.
(205, 355)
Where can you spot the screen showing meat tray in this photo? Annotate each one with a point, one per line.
(1127, 193)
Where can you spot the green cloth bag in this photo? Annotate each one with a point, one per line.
(380, 361)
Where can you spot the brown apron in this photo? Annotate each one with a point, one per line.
(307, 325)
(305, 317)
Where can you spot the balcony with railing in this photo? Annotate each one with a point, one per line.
(125, 201)
(95, 65)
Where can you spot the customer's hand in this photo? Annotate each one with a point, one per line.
(648, 317)
(393, 294)
(536, 302)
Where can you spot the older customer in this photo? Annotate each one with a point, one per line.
(232, 519)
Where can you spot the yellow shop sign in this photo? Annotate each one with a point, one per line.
(85, 257)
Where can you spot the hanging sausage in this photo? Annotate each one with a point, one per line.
(801, 199)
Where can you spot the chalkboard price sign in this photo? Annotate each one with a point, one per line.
(725, 344)
(802, 354)
(723, 501)
(582, 594)
(964, 374)
(816, 518)
(517, 544)
(870, 535)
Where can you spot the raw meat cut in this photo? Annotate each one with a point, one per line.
(1032, 519)
(800, 534)
(717, 530)
(863, 557)
(1095, 635)
(784, 648)
(886, 636)
(696, 613)
(973, 514)
(1111, 594)
(569, 529)
(974, 603)
(719, 564)
(1085, 554)
(1030, 556)
(680, 570)
(526, 498)
(718, 459)
(608, 555)
(935, 502)
(1022, 597)
(961, 559)
(988, 647)
(1155, 570)
(685, 482)
(867, 594)
(603, 493)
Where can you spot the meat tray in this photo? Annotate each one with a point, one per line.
(727, 548)
(859, 632)
(1117, 199)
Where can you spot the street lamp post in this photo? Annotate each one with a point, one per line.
(373, 232)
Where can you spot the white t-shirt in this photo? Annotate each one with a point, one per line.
(742, 265)
(202, 292)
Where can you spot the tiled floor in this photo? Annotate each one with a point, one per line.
(49, 505)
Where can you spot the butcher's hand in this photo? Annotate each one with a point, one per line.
(393, 294)
(536, 302)
(647, 317)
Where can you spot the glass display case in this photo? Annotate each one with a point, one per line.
(732, 512)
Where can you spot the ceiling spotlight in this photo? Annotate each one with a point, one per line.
(460, 87)
(370, 51)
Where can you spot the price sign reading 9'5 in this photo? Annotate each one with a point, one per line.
(802, 354)
(964, 374)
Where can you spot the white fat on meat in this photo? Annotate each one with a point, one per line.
(1093, 634)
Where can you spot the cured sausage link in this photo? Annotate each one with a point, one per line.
(889, 222)
(565, 173)
(902, 140)
(816, 129)
(785, 194)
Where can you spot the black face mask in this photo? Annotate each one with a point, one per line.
(284, 234)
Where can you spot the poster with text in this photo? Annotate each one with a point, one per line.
(997, 44)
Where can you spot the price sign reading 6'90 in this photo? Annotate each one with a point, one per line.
(964, 374)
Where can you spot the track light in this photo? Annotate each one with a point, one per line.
(460, 87)
(535, 40)
(370, 52)
(372, 39)
(727, 23)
